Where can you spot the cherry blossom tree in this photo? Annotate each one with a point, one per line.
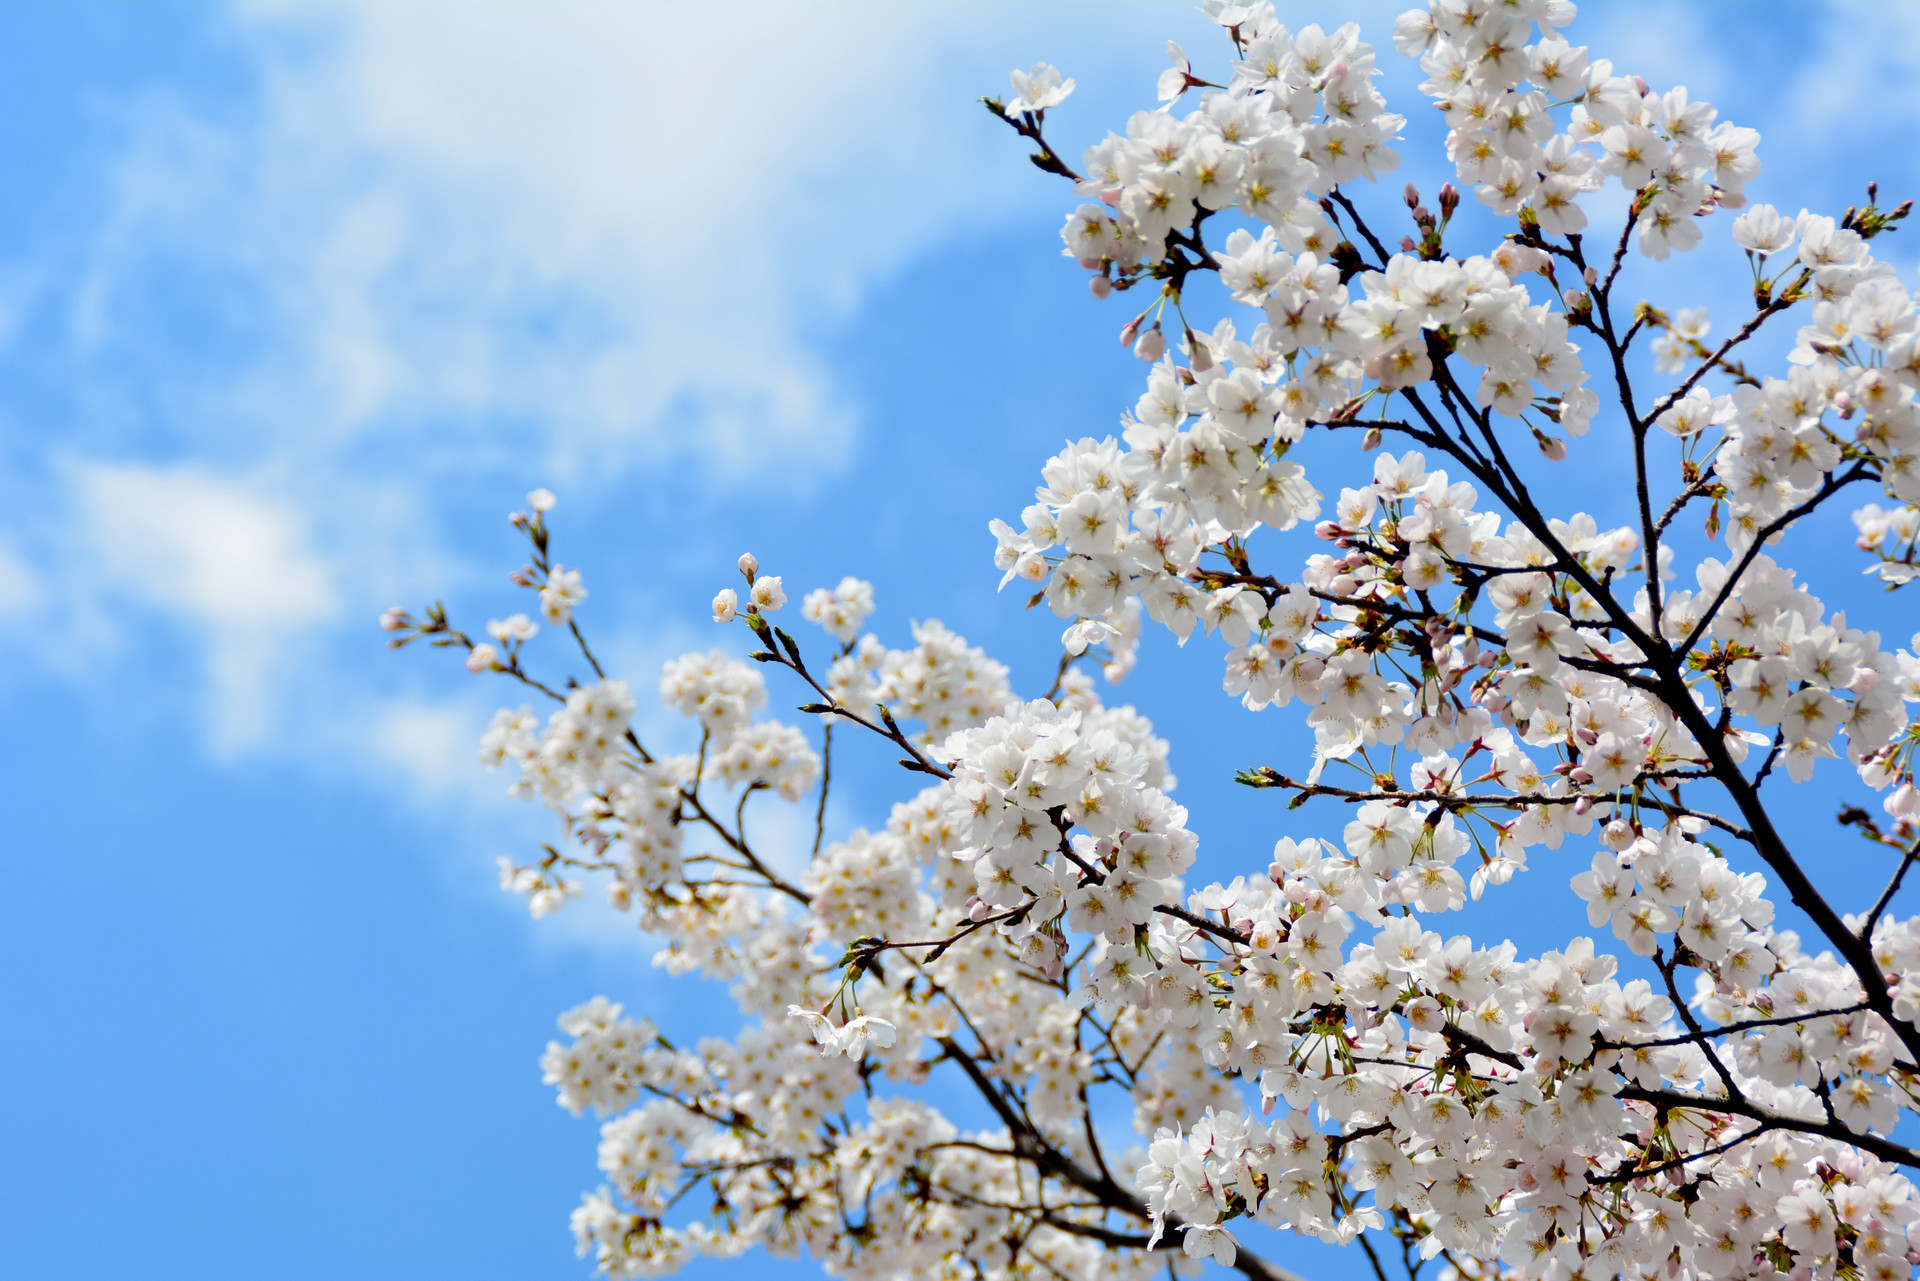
(1688, 1087)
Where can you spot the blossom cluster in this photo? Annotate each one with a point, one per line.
(1695, 1083)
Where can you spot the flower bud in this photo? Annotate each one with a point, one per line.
(1449, 200)
(749, 565)
(482, 658)
(1408, 244)
(1152, 344)
(1100, 286)
(1091, 264)
(1199, 356)
(393, 620)
(1553, 447)
(1904, 802)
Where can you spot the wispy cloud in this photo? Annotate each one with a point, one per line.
(234, 566)
(433, 243)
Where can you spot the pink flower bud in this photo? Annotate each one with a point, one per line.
(1553, 447)
(1100, 286)
(1202, 358)
(749, 565)
(393, 620)
(1130, 331)
(1152, 345)
(1091, 264)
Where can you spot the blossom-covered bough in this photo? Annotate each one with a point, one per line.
(1691, 1090)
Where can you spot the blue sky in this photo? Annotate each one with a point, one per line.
(296, 303)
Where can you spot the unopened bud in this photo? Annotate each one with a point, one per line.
(1328, 530)
(1371, 440)
(1201, 358)
(1553, 447)
(393, 620)
(1411, 195)
(1130, 331)
(749, 565)
(1152, 345)
(1449, 200)
(1100, 286)
(1091, 264)
(1408, 244)
(1591, 276)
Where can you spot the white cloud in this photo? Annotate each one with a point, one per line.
(439, 242)
(231, 563)
(22, 591)
(617, 230)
